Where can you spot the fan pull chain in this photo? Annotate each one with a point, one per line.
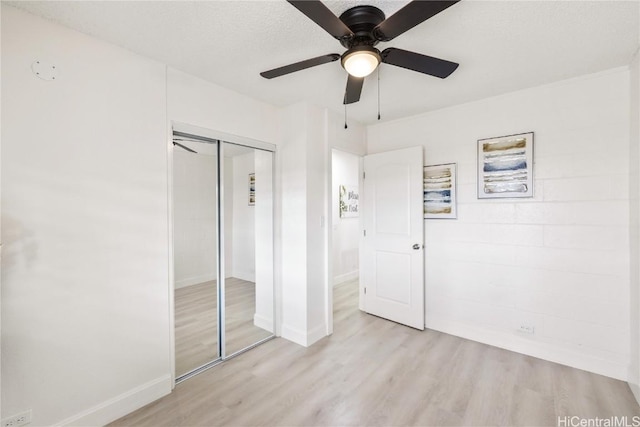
(345, 116)
(378, 92)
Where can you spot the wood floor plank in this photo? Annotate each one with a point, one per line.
(377, 373)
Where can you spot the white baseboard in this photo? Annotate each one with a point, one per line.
(121, 405)
(316, 334)
(244, 275)
(189, 281)
(263, 322)
(341, 278)
(294, 335)
(522, 345)
(301, 337)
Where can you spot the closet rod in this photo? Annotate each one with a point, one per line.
(185, 147)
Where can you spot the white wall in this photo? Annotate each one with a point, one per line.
(85, 298)
(195, 236)
(1, 238)
(317, 161)
(243, 232)
(292, 181)
(634, 226)
(200, 103)
(351, 140)
(559, 261)
(345, 231)
(634, 223)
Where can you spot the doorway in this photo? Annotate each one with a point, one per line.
(345, 228)
(222, 234)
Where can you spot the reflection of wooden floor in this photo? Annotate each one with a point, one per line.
(196, 319)
(372, 372)
(240, 308)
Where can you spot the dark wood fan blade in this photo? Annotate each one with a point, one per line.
(321, 15)
(408, 17)
(292, 68)
(417, 62)
(354, 89)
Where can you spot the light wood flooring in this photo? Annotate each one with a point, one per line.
(372, 372)
(196, 322)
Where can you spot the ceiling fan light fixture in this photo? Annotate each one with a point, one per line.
(360, 61)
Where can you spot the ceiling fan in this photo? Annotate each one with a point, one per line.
(360, 29)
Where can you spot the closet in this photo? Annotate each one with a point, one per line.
(222, 229)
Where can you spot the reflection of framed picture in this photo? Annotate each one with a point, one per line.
(440, 191)
(252, 189)
(348, 201)
(505, 166)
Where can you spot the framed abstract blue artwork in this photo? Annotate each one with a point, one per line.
(439, 183)
(505, 166)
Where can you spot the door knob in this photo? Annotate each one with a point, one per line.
(416, 246)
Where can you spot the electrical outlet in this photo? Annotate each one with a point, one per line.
(526, 329)
(21, 419)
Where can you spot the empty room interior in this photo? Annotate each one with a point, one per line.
(331, 213)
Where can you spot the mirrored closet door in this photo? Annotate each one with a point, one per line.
(248, 245)
(222, 250)
(195, 253)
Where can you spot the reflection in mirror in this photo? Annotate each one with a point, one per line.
(195, 254)
(248, 223)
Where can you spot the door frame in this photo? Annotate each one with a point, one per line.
(221, 137)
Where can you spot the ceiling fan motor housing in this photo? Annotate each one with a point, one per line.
(361, 20)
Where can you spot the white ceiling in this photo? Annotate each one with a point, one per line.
(501, 46)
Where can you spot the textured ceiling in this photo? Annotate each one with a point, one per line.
(501, 46)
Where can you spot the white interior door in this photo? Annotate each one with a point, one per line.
(392, 266)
